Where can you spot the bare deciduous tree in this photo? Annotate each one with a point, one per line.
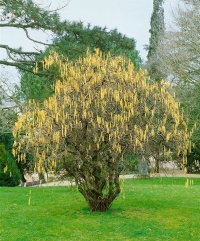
(179, 59)
(179, 52)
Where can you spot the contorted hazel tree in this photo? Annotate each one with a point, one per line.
(102, 109)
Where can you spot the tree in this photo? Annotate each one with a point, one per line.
(156, 33)
(101, 110)
(179, 60)
(73, 44)
(26, 15)
(179, 55)
(79, 38)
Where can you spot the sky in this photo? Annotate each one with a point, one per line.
(130, 17)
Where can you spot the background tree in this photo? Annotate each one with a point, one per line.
(156, 34)
(73, 44)
(101, 110)
(180, 51)
(26, 15)
(179, 60)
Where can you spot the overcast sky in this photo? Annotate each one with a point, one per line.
(130, 17)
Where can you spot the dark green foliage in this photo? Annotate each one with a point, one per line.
(7, 140)
(156, 33)
(157, 27)
(73, 44)
(35, 87)
(9, 173)
(193, 159)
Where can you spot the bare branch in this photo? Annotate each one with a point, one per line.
(21, 66)
(36, 41)
(17, 51)
(32, 25)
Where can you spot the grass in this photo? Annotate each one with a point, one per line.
(147, 209)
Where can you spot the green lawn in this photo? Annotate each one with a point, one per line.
(147, 209)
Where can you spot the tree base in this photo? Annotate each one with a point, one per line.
(99, 205)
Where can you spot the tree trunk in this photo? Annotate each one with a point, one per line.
(99, 186)
(99, 203)
(157, 165)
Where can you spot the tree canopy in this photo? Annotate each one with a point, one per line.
(102, 109)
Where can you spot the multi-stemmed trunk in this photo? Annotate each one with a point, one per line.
(99, 185)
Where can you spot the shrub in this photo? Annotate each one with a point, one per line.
(9, 173)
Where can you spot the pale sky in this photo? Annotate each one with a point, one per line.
(130, 17)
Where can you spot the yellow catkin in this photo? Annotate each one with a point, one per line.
(100, 100)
